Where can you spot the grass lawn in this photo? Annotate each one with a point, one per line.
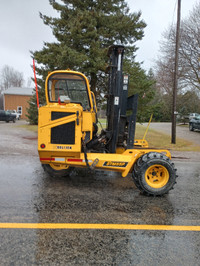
(183, 125)
(160, 140)
(30, 127)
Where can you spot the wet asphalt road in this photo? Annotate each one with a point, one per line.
(28, 195)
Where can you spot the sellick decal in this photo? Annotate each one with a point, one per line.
(63, 147)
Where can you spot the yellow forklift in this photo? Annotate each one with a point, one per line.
(68, 134)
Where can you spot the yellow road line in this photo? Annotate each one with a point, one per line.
(99, 226)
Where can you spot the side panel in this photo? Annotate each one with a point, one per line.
(59, 129)
(87, 125)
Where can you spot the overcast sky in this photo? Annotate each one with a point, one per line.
(22, 30)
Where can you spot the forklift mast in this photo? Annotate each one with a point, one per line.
(119, 124)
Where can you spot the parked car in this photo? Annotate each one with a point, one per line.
(193, 115)
(184, 119)
(194, 123)
(14, 112)
(7, 116)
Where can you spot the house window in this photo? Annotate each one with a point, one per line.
(19, 109)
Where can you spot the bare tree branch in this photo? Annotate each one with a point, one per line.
(9, 77)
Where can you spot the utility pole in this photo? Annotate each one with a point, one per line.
(174, 112)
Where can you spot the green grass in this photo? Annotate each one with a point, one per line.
(163, 141)
(33, 128)
(183, 125)
(102, 121)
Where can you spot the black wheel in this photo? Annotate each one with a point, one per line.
(55, 171)
(154, 174)
(7, 121)
(135, 173)
(14, 120)
(191, 127)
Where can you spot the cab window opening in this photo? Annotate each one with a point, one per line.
(68, 88)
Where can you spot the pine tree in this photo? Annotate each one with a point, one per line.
(84, 30)
(32, 111)
(144, 85)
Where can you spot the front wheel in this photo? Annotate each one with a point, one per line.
(154, 174)
(56, 171)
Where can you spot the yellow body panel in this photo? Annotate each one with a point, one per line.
(87, 121)
(45, 124)
(141, 143)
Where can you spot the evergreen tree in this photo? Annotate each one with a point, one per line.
(144, 85)
(84, 30)
(32, 111)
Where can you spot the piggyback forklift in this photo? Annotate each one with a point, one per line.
(68, 133)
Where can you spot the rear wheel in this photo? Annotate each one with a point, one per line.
(57, 171)
(154, 174)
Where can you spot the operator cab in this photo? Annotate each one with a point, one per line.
(68, 88)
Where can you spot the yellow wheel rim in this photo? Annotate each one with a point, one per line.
(157, 176)
(58, 166)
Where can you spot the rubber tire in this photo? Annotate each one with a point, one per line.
(14, 120)
(56, 173)
(135, 173)
(191, 127)
(143, 163)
